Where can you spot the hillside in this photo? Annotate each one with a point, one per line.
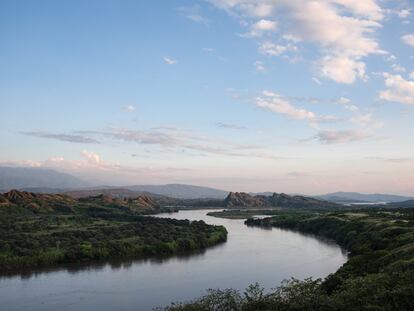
(241, 199)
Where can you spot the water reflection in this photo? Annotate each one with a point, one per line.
(250, 255)
(113, 264)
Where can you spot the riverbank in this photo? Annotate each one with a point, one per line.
(379, 274)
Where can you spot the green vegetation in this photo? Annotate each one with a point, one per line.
(42, 230)
(379, 274)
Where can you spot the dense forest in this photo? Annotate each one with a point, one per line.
(379, 274)
(39, 230)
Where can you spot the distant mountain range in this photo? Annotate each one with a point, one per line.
(178, 191)
(355, 197)
(42, 180)
(22, 177)
(128, 200)
(50, 181)
(182, 191)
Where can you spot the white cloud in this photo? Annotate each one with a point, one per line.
(322, 23)
(198, 18)
(272, 49)
(89, 161)
(259, 66)
(193, 14)
(344, 30)
(209, 50)
(265, 25)
(261, 27)
(352, 108)
(366, 8)
(342, 69)
(341, 136)
(316, 80)
(347, 103)
(362, 118)
(291, 38)
(390, 58)
(397, 68)
(129, 108)
(173, 140)
(246, 7)
(71, 138)
(262, 8)
(276, 103)
(408, 39)
(91, 157)
(170, 61)
(412, 75)
(231, 126)
(344, 101)
(398, 90)
(404, 13)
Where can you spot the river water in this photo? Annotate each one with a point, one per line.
(250, 255)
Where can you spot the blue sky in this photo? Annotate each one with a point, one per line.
(292, 96)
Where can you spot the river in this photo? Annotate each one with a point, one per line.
(250, 255)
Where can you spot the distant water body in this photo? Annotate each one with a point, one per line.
(250, 255)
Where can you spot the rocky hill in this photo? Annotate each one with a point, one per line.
(41, 203)
(38, 202)
(244, 200)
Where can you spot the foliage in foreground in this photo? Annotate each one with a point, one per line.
(379, 274)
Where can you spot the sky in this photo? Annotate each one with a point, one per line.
(288, 96)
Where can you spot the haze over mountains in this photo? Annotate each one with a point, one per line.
(25, 177)
(352, 197)
(182, 191)
(51, 181)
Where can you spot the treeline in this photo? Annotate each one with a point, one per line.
(91, 232)
(379, 274)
